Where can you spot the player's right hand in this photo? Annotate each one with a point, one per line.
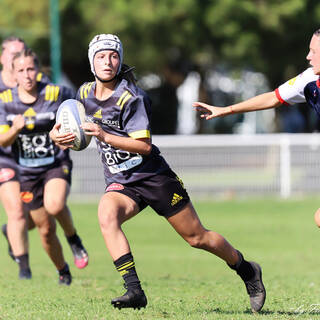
(18, 122)
(208, 112)
(62, 140)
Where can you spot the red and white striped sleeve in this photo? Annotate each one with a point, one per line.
(292, 91)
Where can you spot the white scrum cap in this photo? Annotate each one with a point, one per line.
(104, 42)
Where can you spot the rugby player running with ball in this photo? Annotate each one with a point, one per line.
(137, 175)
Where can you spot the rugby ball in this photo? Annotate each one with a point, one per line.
(71, 114)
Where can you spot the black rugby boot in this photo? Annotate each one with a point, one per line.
(133, 298)
(25, 274)
(65, 277)
(255, 288)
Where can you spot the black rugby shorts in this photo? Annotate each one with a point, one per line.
(8, 170)
(163, 192)
(32, 190)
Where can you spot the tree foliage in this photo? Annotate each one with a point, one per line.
(268, 35)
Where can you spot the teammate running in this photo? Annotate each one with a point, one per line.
(10, 196)
(16, 228)
(137, 175)
(26, 116)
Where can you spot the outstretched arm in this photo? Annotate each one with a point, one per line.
(261, 102)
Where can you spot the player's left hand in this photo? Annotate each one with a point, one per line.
(93, 129)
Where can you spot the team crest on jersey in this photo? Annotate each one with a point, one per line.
(6, 174)
(26, 196)
(114, 187)
(30, 116)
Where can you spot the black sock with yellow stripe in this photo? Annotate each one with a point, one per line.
(126, 267)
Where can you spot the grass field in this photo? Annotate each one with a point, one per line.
(180, 282)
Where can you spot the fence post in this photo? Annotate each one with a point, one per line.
(285, 168)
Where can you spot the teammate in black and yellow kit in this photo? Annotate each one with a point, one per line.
(16, 228)
(27, 114)
(11, 46)
(137, 175)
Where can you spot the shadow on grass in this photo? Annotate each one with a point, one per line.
(297, 312)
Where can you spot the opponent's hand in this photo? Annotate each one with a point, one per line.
(208, 112)
(18, 122)
(93, 129)
(62, 140)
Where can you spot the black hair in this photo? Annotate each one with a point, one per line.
(317, 33)
(126, 73)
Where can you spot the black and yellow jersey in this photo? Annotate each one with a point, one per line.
(6, 156)
(126, 113)
(33, 149)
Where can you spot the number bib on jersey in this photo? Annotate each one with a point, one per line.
(35, 149)
(119, 160)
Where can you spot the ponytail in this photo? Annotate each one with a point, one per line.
(126, 73)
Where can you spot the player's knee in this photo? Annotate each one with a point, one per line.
(317, 217)
(14, 209)
(108, 220)
(19, 224)
(195, 240)
(54, 207)
(17, 217)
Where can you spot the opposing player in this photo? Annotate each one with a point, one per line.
(45, 171)
(10, 47)
(137, 175)
(303, 88)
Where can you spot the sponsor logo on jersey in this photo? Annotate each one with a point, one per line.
(98, 114)
(26, 196)
(115, 186)
(6, 174)
(292, 81)
(175, 199)
(110, 123)
(65, 169)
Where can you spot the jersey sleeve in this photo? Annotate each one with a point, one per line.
(84, 91)
(136, 121)
(292, 91)
(4, 124)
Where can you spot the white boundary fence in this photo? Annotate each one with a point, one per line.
(223, 165)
